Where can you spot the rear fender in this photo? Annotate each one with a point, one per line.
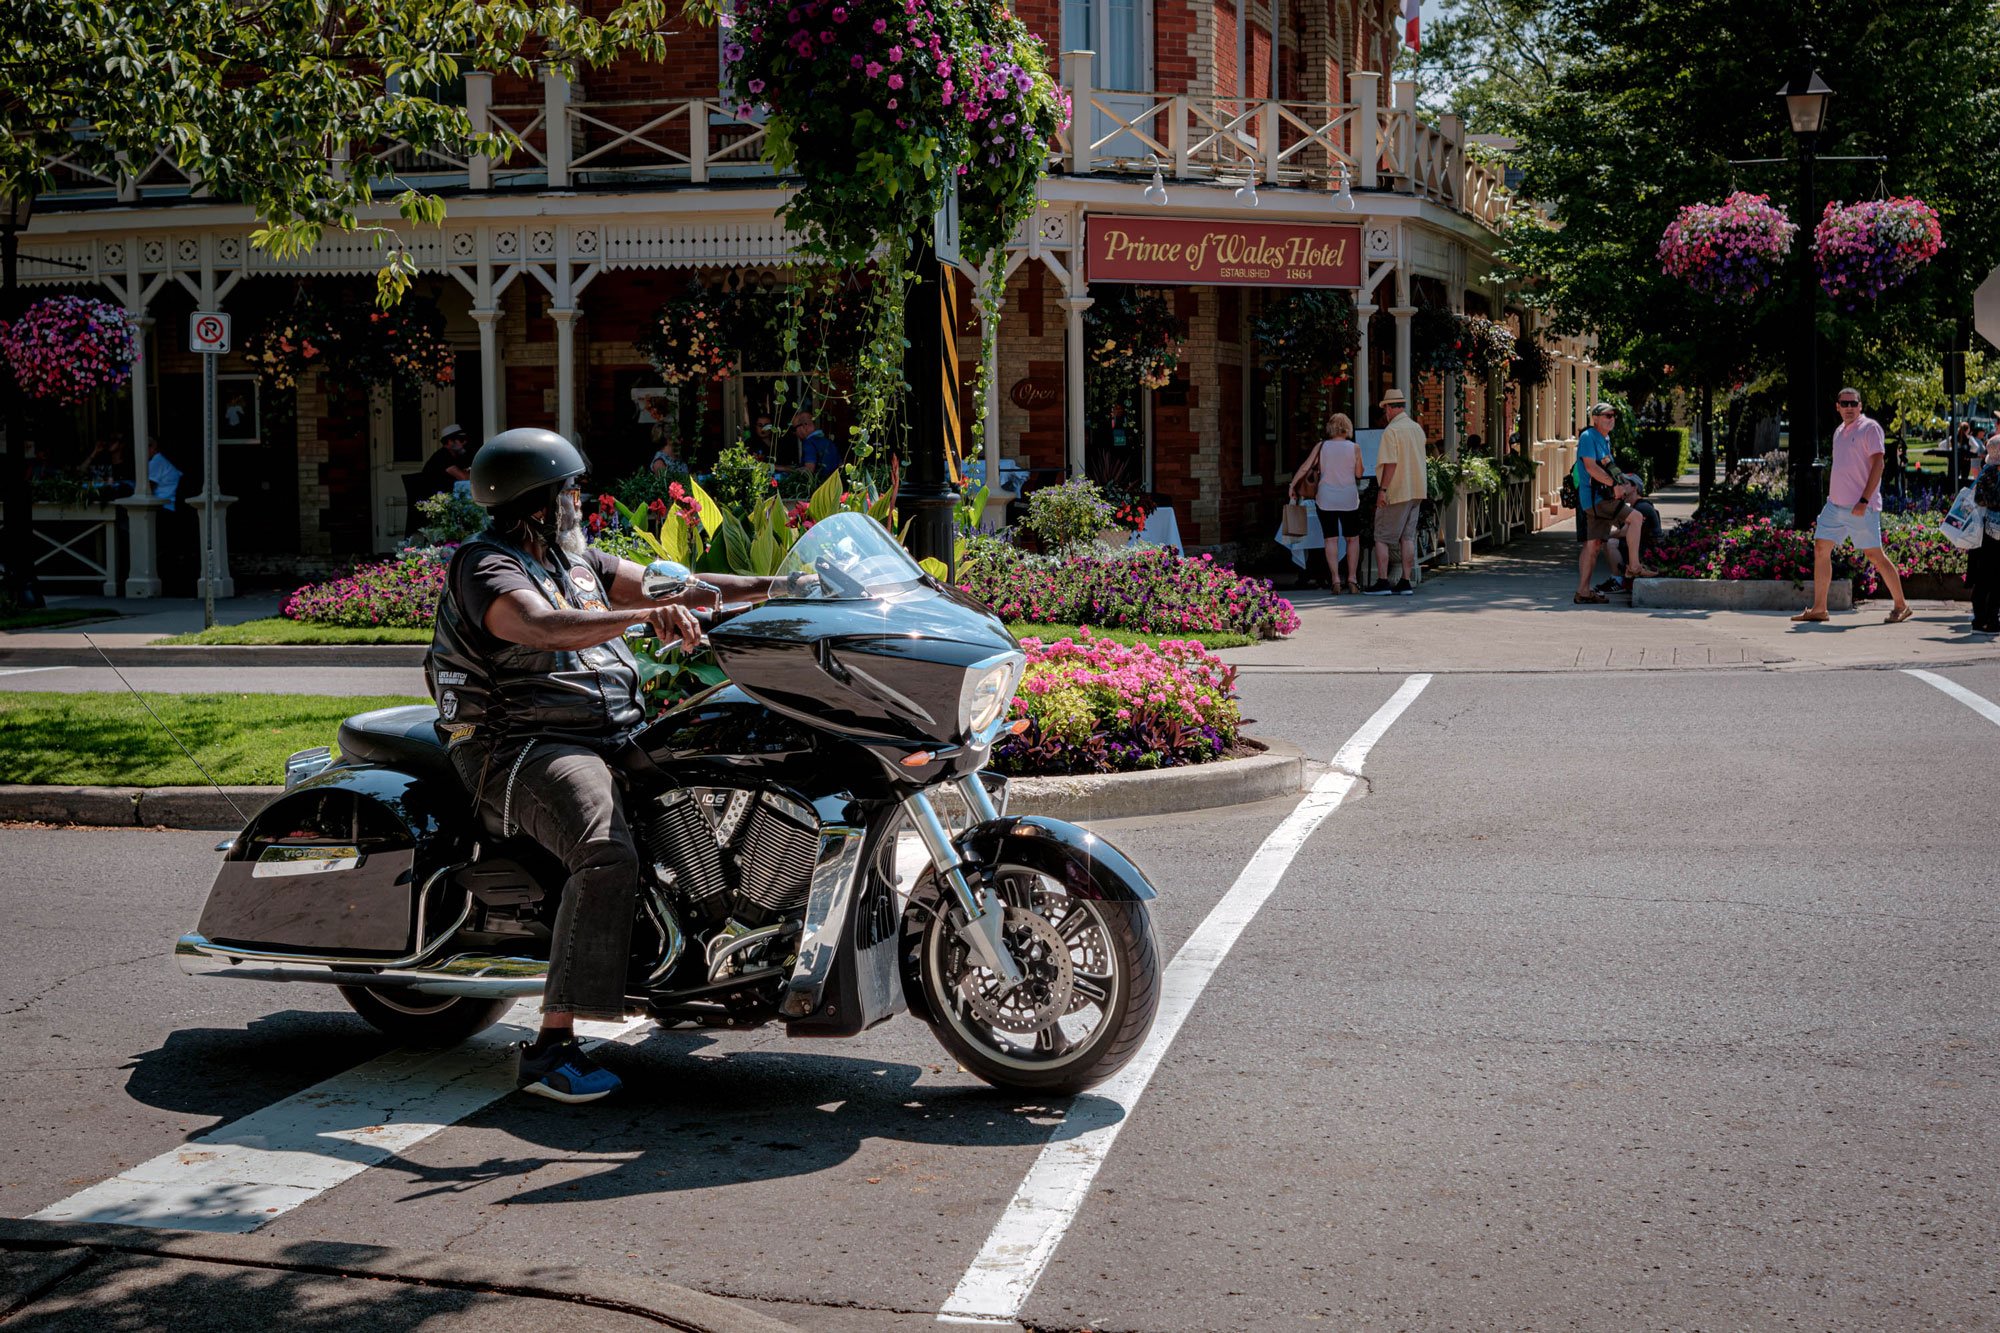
(1081, 861)
(333, 866)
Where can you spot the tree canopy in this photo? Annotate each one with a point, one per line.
(1632, 108)
(252, 98)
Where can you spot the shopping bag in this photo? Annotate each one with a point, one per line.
(1295, 520)
(1964, 524)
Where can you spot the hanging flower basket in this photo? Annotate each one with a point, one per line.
(1444, 342)
(66, 348)
(1132, 338)
(687, 342)
(1865, 249)
(339, 332)
(1730, 251)
(1488, 345)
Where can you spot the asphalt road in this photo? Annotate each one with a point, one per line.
(1609, 1002)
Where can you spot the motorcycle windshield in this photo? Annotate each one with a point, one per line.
(847, 557)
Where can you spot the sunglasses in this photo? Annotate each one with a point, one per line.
(1847, 402)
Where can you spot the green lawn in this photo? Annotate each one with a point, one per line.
(1050, 633)
(278, 630)
(55, 615)
(107, 739)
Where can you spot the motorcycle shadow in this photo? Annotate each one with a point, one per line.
(692, 1118)
(697, 1111)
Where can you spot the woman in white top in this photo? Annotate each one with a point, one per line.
(1336, 462)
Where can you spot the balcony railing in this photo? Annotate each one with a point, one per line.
(1367, 144)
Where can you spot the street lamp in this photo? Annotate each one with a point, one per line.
(17, 204)
(1805, 98)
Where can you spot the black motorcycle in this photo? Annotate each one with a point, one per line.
(767, 812)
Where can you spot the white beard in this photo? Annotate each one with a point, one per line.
(569, 525)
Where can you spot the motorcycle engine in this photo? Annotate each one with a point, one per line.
(731, 853)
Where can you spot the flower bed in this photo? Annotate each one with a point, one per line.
(1145, 588)
(1094, 706)
(401, 593)
(1758, 547)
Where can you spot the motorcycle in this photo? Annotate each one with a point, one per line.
(860, 703)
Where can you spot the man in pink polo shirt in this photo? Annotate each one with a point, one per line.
(1853, 510)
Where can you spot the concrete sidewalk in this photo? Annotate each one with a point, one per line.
(1510, 610)
(127, 639)
(88, 1277)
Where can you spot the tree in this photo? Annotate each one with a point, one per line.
(252, 98)
(1647, 102)
(1485, 60)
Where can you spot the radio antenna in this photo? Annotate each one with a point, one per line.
(169, 730)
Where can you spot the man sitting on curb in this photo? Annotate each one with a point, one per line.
(1853, 509)
(1603, 505)
(1649, 534)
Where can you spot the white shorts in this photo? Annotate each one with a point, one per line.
(1840, 522)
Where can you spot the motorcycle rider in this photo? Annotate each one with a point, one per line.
(538, 697)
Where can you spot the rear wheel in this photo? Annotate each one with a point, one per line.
(1092, 986)
(416, 1019)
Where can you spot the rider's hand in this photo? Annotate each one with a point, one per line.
(675, 622)
(795, 584)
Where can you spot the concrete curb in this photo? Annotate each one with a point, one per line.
(646, 1298)
(1279, 771)
(232, 655)
(1736, 595)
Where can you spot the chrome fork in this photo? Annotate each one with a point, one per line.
(983, 910)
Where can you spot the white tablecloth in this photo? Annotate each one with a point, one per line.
(1012, 477)
(1314, 540)
(1162, 528)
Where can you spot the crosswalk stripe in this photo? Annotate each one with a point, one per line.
(243, 1174)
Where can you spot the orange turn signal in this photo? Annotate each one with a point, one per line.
(917, 760)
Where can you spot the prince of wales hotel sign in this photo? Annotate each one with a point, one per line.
(1193, 252)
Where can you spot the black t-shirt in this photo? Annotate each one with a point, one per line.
(1649, 524)
(492, 574)
(437, 478)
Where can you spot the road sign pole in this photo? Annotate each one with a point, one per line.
(210, 515)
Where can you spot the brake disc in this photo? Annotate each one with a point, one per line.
(1088, 953)
(1047, 974)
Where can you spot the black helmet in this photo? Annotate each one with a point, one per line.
(518, 464)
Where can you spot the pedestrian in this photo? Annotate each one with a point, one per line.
(1982, 566)
(666, 456)
(1632, 491)
(1602, 506)
(1401, 482)
(818, 456)
(449, 463)
(176, 542)
(1853, 509)
(1332, 477)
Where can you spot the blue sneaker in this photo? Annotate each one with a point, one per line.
(564, 1073)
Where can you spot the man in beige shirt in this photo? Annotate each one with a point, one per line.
(1399, 468)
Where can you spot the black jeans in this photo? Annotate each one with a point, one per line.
(565, 798)
(1982, 567)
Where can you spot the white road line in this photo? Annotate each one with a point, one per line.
(997, 1285)
(271, 1161)
(23, 671)
(1979, 704)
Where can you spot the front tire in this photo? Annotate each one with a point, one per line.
(1085, 1009)
(415, 1019)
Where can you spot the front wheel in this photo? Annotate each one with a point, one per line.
(424, 1020)
(1092, 987)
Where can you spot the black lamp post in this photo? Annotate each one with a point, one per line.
(1805, 99)
(18, 508)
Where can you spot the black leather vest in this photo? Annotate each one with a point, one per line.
(489, 690)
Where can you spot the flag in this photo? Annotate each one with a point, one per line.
(1410, 24)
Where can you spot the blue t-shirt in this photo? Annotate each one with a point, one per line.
(1591, 444)
(820, 452)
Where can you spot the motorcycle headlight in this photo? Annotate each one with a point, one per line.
(988, 689)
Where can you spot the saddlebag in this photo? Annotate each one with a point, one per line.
(330, 867)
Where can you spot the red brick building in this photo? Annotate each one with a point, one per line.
(1268, 117)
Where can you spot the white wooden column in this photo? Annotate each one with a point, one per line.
(1073, 362)
(141, 509)
(1364, 388)
(478, 110)
(1402, 314)
(565, 318)
(491, 397)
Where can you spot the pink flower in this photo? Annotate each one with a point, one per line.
(881, 26)
(874, 70)
(895, 81)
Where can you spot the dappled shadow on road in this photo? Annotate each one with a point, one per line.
(230, 1072)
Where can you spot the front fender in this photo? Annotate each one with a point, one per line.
(1084, 863)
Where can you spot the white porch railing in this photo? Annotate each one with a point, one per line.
(1315, 145)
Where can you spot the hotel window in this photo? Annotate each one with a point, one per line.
(1120, 33)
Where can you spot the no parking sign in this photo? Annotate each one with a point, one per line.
(208, 331)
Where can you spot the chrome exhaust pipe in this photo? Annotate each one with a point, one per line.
(479, 976)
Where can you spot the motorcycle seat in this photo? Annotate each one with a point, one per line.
(400, 738)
